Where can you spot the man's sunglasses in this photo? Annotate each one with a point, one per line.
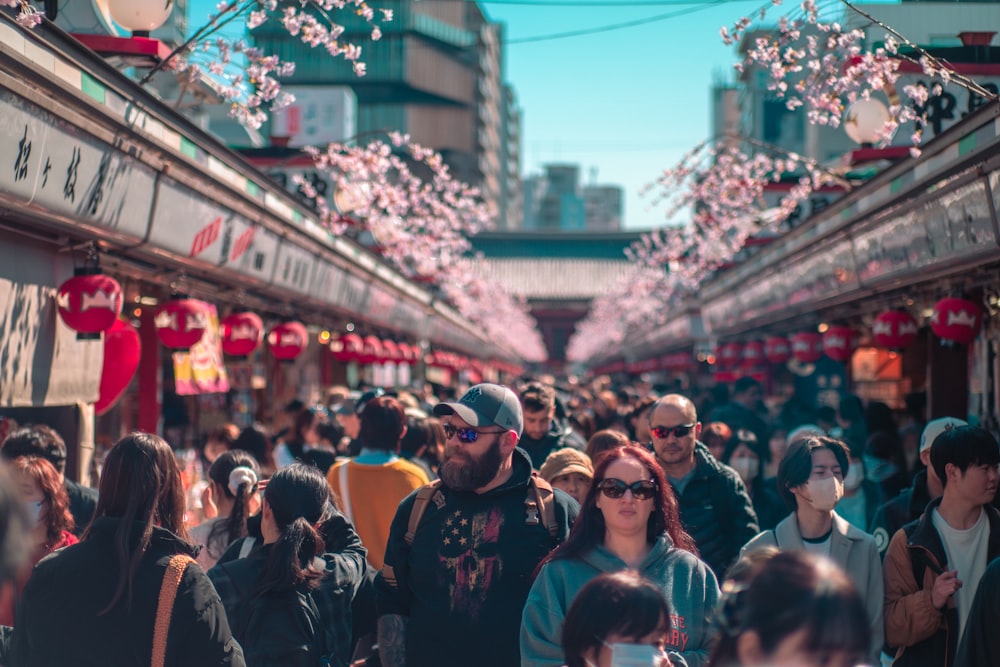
(679, 431)
(644, 489)
(466, 435)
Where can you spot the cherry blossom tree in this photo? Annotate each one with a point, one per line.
(814, 64)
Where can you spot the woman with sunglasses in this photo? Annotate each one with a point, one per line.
(628, 521)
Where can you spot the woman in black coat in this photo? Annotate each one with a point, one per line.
(94, 603)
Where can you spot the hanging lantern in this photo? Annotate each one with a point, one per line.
(122, 349)
(347, 347)
(753, 354)
(777, 349)
(371, 351)
(894, 329)
(839, 343)
(180, 323)
(956, 320)
(409, 354)
(390, 351)
(287, 340)
(241, 333)
(89, 303)
(807, 347)
(729, 355)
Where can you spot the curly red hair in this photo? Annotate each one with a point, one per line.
(57, 517)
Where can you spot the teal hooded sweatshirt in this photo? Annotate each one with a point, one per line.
(688, 584)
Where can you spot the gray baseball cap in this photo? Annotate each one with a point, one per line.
(487, 405)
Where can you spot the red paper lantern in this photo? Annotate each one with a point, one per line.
(390, 351)
(839, 343)
(89, 303)
(180, 323)
(371, 352)
(777, 349)
(730, 354)
(807, 347)
(287, 340)
(241, 333)
(346, 347)
(122, 349)
(753, 354)
(409, 354)
(956, 320)
(895, 330)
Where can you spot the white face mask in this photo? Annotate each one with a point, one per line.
(855, 475)
(825, 493)
(746, 466)
(635, 655)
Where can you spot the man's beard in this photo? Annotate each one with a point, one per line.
(475, 473)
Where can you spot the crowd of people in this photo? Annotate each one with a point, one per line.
(536, 525)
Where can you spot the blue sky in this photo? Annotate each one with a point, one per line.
(627, 102)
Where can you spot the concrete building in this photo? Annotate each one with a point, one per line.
(511, 214)
(556, 201)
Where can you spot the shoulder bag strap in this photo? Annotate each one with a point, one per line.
(424, 496)
(345, 493)
(165, 606)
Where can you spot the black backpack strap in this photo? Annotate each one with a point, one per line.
(424, 495)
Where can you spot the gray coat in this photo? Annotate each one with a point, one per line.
(853, 550)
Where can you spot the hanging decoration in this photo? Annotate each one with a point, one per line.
(777, 349)
(839, 343)
(956, 320)
(753, 354)
(371, 352)
(390, 351)
(894, 330)
(180, 323)
(730, 354)
(241, 333)
(122, 349)
(347, 347)
(89, 302)
(288, 340)
(807, 347)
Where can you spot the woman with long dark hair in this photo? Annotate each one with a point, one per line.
(797, 610)
(628, 520)
(232, 491)
(295, 559)
(95, 602)
(44, 495)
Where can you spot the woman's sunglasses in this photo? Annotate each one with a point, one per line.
(679, 431)
(465, 435)
(644, 489)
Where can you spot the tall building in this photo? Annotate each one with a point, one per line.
(603, 208)
(557, 202)
(511, 191)
(436, 74)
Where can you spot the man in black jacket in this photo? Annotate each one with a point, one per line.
(715, 507)
(543, 433)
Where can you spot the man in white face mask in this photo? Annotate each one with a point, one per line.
(811, 481)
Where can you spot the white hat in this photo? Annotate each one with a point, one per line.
(936, 427)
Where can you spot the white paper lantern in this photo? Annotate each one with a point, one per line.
(864, 120)
(140, 15)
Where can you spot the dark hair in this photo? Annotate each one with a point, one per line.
(418, 435)
(716, 434)
(536, 397)
(745, 383)
(619, 603)
(588, 529)
(605, 440)
(796, 465)
(331, 431)
(255, 441)
(299, 499)
(296, 440)
(747, 437)
(36, 440)
(789, 592)
(140, 484)
(963, 446)
(57, 517)
(640, 406)
(235, 526)
(583, 422)
(382, 423)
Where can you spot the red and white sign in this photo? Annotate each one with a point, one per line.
(839, 343)
(181, 323)
(288, 340)
(89, 304)
(753, 354)
(241, 333)
(894, 329)
(956, 320)
(807, 347)
(777, 349)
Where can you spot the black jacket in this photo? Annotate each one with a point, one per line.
(464, 581)
(901, 510)
(57, 622)
(82, 503)
(559, 436)
(716, 511)
(980, 645)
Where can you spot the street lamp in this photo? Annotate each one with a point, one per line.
(865, 121)
(140, 16)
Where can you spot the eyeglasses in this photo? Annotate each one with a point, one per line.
(466, 435)
(644, 489)
(679, 431)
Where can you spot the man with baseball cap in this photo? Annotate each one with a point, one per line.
(911, 502)
(458, 569)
